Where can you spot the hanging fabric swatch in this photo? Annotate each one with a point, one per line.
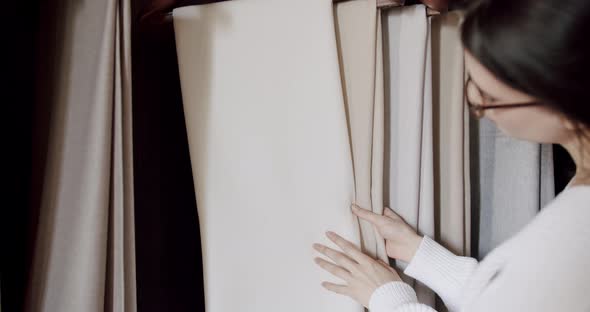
(408, 168)
(449, 135)
(451, 138)
(84, 253)
(515, 181)
(358, 34)
(270, 150)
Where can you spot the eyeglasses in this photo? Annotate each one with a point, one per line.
(478, 109)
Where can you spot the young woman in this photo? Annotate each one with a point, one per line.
(528, 63)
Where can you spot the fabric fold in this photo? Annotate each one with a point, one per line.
(84, 253)
(361, 68)
(408, 165)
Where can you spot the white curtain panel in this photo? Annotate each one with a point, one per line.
(408, 124)
(84, 256)
(270, 150)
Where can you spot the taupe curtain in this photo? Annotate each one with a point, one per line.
(451, 138)
(84, 255)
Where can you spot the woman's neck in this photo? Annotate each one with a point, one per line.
(579, 150)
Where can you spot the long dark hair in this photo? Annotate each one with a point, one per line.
(540, 47)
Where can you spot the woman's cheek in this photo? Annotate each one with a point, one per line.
(531, 125)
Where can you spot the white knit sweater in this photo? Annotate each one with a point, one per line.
(544, 267)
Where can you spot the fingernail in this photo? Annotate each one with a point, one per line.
(329, 233)
(355, 207)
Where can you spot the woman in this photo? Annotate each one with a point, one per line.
(528, 63)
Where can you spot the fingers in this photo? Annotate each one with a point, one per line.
(349, 248)
(390, 213)
(336, 256)
(367, 215)
(334, 269)
(339, 289)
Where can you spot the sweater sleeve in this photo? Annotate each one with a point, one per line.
(436, 267)
(441, 270)
(396, 296)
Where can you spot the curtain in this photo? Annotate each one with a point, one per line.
(289, 124)
(269, 146)
(358, 34)
(515, 179)
(84, 255)
(451, 138)
(409, 188)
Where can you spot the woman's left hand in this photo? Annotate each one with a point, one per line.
(362, 273)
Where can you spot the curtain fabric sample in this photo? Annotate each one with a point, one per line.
(451, 138)
(515, 181)
(408, 153)
(270, 151)
(84, 251)
(449, 135)
(358, 34)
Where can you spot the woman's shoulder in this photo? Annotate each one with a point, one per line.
(544, 267)
(559, 236)
(569, 211)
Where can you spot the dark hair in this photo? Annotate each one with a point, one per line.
(540, 47)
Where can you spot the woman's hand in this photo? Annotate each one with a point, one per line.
(401, 240)
(362, 273)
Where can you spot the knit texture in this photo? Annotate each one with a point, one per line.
(542, 268)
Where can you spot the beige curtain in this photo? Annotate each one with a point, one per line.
(84, 256)
(451, 129)
(358, 34)
(451, 138)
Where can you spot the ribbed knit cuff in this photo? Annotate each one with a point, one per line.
(441, 270)
(391, 295)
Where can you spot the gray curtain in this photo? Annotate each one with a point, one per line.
(514, 180)
(84, 254)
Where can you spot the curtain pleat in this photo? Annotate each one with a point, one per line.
(359, 39)
(408, 153)
(83, 257)
(449, 134)
(451, 138)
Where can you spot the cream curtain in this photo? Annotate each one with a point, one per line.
(290, 122)
(84, 257)
(270, 150)
(409, 189)
(358, 34)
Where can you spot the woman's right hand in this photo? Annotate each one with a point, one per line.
(401, 240)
